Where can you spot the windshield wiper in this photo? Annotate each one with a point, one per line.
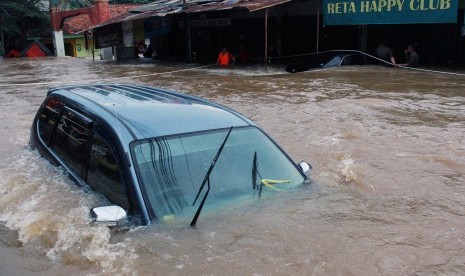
(255, 172)
(207, 180)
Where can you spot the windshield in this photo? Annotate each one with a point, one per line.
(171, 169)
(335, 61)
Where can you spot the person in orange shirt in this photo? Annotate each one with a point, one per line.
(225, 58)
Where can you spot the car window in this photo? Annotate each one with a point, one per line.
(333, 62)
(70, 140)
(48, 119)
(316, 61)
(103, 174)
(172, 169)
(353, 60)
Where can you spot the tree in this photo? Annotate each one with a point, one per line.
(20, 19)
(21, 16)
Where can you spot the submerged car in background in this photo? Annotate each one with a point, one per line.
(330, 59)
(155, 154)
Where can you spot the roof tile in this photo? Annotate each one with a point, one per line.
(82, 22)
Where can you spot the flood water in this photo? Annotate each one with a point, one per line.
(387, 197)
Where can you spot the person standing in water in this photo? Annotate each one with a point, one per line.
(412, 57)
(225, 58)
(385, 53)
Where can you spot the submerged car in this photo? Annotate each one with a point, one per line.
(330, 59)
(154, 154)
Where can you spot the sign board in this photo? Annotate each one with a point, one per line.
(108, 36)
(362, 12)
(218, 22)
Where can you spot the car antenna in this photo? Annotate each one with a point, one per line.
(207, 180)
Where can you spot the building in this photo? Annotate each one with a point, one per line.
(197, 29)
(75, 42)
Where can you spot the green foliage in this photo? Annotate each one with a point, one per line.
(19, 17)
(26, 18)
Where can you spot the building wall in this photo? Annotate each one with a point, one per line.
(81, 51)
(292, 30)
(76, 47)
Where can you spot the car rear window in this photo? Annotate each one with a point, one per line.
(70, 140)
(48, 118)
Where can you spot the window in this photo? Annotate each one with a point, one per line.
(336, 61)
(48, 119)
(103, 174)
(70, 140)
(354, 60)
(171, 169)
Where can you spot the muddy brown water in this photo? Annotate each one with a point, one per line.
(387, 198)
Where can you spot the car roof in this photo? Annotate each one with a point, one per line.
(146, 112)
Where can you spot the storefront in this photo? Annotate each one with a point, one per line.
(294, 27)
(435, 27)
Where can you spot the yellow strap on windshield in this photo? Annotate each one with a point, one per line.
(270, 182)
(169, 218)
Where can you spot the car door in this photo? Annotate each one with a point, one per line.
(79, 144)
(104, 171)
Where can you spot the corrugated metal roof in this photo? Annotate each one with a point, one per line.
(127, 17)
(165, 7)
(250, 5)
(170, 4)
(80, 23)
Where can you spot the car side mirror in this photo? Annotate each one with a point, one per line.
(305, 167)
(109, 215)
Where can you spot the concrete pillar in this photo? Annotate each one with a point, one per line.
(58, 43)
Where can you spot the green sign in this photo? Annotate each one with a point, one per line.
(361, 12)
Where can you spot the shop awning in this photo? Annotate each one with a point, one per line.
(126, 17)
(163, 8)
(251, 5)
